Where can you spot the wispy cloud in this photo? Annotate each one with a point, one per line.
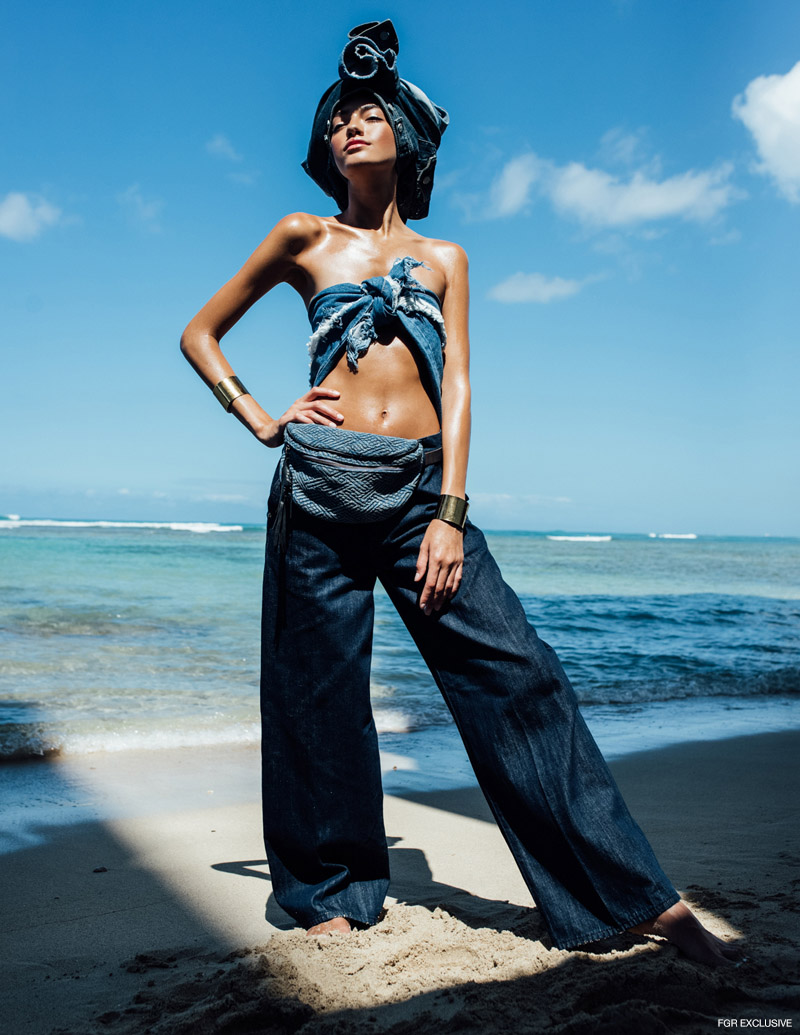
(622, 147)
(730, 237)
(536, 287)
(221, 146)
(24, 216)
(144, 210)
(601, 199)
(247, 178)
(770, 108)
(227, 497)
(510, 192)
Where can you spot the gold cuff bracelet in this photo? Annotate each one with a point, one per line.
(227, 390)
(453, 510)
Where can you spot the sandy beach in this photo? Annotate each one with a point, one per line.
(137, 899)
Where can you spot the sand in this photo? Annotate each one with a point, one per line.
(177, 931)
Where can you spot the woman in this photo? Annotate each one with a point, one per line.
(371, 484)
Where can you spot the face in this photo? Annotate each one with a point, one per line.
(360, 135)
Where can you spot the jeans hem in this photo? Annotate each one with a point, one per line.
(607, 930)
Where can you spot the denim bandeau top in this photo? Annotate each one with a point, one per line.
(348, 318)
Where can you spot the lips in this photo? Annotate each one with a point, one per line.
(355, 142)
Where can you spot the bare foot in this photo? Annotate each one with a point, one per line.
(680, 926)
(338, 925)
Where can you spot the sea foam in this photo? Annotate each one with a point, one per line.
(580, 538)
(36, 740)
(33, 742)
(14, 521)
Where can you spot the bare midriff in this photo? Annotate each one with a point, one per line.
(385, 396)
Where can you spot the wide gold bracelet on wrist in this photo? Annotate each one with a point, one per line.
(228, 390)
(453, 510)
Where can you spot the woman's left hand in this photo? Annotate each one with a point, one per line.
(441, 558)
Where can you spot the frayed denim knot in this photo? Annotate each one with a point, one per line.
(385, 297)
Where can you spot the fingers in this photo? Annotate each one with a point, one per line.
(330, 419)
(440, 563)
(306, 411)
(436, 599)
(440, 586)
(311, 406)
(453, 582)
(422, 562)
(333, 416)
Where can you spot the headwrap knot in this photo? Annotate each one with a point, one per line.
(369, 62)
(364, 59)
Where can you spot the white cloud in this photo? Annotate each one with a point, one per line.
(598, 198)
(536, 287)
(770, 108)
(24, 216)
(601, 199)
(144, 210)
(510, 191)
(221, 146)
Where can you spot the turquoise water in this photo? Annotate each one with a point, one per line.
(127, 636)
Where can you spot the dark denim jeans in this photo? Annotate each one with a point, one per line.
(587, 863)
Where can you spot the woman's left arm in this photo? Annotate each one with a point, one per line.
(441, 555)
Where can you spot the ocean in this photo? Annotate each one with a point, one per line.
(125, 635)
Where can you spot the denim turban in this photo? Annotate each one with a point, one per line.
(369, 62)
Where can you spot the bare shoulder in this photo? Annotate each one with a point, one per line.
(279, 257)
(297, 231)
(450, 257)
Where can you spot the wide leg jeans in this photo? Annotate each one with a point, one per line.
(588, 866)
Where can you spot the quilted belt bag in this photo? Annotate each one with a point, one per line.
(348, 476)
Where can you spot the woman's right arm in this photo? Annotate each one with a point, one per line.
(273, 262)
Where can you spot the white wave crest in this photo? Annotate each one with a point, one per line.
(37, 744)
(38, 741)
(672, 535)
(14, 521)
(390, 720)
(580, 538)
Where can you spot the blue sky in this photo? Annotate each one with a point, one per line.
(625, 176)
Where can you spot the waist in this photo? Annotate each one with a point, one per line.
(394, 374)
(385, 396)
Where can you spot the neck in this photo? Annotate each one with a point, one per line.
(373, 206)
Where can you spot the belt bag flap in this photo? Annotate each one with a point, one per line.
(350, 476)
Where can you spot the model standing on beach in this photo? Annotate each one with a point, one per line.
(372, 485)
